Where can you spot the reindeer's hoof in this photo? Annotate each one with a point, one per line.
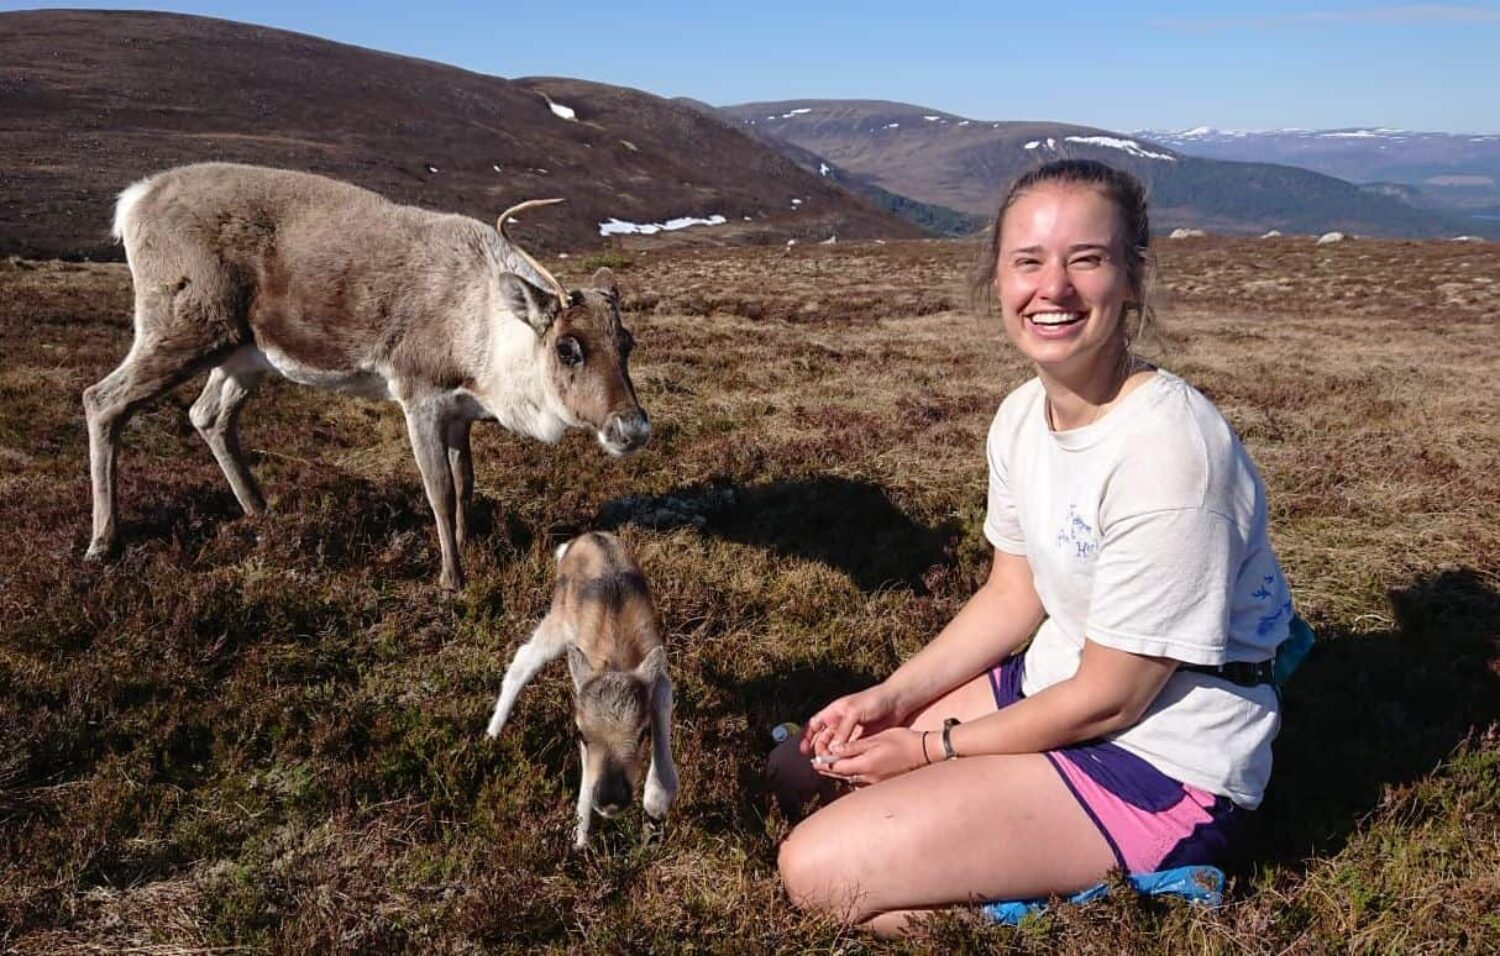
(99, 551)
(451, 582)
(658, 801)
(653, 831)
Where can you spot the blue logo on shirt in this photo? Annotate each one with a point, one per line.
(1076, 536)
(1284, 610)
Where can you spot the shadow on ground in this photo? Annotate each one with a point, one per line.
(336, 522)
(853, 526)
(765, 701)
(1370, 710)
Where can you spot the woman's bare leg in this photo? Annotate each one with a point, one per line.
(972, 829)
(960, 831)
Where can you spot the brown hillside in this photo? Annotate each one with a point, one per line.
(91, 101)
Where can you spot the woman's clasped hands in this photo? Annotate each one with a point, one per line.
(859, 738)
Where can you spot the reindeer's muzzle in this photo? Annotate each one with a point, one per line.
(612, 794)
(625, 432)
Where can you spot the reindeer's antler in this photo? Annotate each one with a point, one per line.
(540, 276)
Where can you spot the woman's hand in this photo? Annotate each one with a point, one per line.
(848, 719)
(887, 754)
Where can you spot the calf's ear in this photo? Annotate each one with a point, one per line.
(654, 666)
(578, 666)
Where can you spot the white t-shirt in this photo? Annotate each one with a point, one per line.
(1146, 532)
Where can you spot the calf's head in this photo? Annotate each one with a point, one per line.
(613, 713)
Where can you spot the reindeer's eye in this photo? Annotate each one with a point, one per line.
(569, 351)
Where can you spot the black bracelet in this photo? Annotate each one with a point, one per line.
(924, 747)
(948, 752)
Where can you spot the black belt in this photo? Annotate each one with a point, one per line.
(1243, 673)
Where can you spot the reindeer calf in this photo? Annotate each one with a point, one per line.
(602, 616)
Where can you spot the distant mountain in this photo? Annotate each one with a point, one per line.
(928, 216)
(92, 101)
(1456, 171)
(962, 164)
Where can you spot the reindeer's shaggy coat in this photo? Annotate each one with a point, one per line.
(245, 270)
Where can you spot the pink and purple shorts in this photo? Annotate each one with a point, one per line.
(1151, 821)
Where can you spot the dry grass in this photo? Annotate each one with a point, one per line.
(266, 735)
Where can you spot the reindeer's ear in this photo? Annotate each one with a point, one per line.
(604, 281)
(578, 666)
(530, 304)
(653, 667)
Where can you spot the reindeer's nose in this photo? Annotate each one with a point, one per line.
(627, 431)
(612, 795)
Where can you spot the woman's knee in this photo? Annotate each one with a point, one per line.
(811, 873)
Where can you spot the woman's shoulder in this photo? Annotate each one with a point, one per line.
(1179, 415)
(1182, 446)
(1022, 402)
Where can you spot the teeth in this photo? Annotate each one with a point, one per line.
(1055, 318)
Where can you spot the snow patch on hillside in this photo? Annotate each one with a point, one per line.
(620, 227)
(1127, 145)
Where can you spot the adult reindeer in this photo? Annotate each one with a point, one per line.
(247, 270)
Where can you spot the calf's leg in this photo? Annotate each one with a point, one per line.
(661, 778)
(545, 644)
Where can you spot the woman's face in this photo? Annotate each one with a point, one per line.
(1062, 280)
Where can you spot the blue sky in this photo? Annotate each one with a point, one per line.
(1120, 65)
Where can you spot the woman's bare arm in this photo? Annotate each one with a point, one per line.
(1110, 692)
(996, 620)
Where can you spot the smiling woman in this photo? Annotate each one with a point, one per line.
(1130, 547)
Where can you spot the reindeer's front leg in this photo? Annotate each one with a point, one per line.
(661, 778)
(543, 646)
(461, 464)
(426, 423)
